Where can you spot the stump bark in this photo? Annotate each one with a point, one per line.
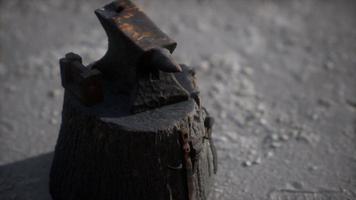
(103, 152)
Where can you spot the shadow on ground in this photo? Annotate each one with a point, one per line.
(26, 179)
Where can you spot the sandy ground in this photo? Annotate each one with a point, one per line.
(278, 76)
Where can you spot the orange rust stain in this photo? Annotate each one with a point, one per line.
(135, 35)
(130, 30)
(128, 15)
(127, 27)
(145, 35)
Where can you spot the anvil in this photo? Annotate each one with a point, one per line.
(138, 54)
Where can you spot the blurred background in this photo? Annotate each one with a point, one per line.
(278, 76)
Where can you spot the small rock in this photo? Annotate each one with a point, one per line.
(253, 152)
(257, 161)
(294, 185)
(315, 116)
(263, 121)
(311, 138)
(55, 113)
(247, 163)
(204, 65)
(232, 135)
(270, 154)
(54, 121)
(312, 168)
(276, 145)
(329, 65)
(55, 93)
(284, 137)
(261, 108)
(282, 118)
(274, 136)
(221, 139)
(295, 133)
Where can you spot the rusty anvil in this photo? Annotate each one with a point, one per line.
(138, 55)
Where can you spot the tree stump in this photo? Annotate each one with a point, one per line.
(103, 153)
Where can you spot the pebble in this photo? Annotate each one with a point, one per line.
(257, 161)
(295, 133)
(312, 168)
(276, 145)
(270, 154)
(294, 185)
(274, 136)
(282, 119)
(253, 152)
(247, 163)
(315, 116)
(329, 65)
(261, 108)
(263, 121)
(221, 139)
(310, 138)
(55, 93)
(284, 137)
(54, 121)
(204, 65)
(232, 135)
(55, 113)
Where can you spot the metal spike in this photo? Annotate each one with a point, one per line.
(209, 122)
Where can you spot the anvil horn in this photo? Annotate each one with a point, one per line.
(161, 59)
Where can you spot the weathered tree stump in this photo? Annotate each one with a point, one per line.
(103, 154)
(132, 129)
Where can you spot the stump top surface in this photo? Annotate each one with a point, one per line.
(153, 120)
(114, 111)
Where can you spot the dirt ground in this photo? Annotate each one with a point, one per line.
(278, 76)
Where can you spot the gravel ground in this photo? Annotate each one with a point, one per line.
(279, 77)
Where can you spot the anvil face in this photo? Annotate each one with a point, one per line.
(135, 26)
(136, 44)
